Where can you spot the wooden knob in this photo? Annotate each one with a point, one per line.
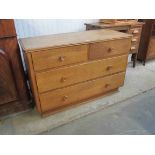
(133, 48)
(65, 98)
(134, 40)
(107, 85)
(135, 31)
(63, 79)
(110, 50)
(108, 68)
(61, 58)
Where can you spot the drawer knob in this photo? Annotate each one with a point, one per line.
(65, 98)
(134, 40)
(135, 31)
(109, 68)
(107, 85)
(110, 50)
(133, 48)
(63, 79)
(61, 58)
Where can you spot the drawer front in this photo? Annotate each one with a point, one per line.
(69, 95)
(59, 57)
(135, 40)
(134, 48)
(109, 48)
(65, 76)
(135, 31)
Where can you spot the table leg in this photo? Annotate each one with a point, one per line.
(134, 59)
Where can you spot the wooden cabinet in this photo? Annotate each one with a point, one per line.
(7, 86)
(13, 89)
(66, 69)
(131, 27)
(147, 42)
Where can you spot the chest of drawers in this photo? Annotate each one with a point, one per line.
(67, 69)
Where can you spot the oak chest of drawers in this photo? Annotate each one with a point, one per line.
(66, 69)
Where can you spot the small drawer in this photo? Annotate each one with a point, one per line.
(62, 97)
(135, 40)
(135, 31)
(134, 48)
(59, 57)
(106, 49)
(68, 75)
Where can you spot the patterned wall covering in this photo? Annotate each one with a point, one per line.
(35, 27)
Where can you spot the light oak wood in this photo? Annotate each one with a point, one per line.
(59, 57)
(108, 21)
(62, 73)
(65, 76)
(70, 95)
(109, 48)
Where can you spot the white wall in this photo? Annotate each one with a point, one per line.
(35, 27)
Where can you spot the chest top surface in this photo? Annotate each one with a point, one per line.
(117, 24)
(69, 39)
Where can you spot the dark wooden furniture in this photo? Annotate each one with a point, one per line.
(14, 96)
(147, 42)
(131, 27)
(66, 69)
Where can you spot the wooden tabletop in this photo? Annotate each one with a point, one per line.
(69, 39)
(117, 24)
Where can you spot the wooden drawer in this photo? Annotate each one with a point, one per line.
(134, 48)
(59, 57)
(135, 40)
(69, 95)
(135, 31)
(109, 48)
(68, 75)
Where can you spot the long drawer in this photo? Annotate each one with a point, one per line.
(79, 92)
(65, 76)
(109, 48)
(59, 57)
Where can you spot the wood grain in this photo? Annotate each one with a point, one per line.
(65, 76)
(57, 85)
(7, 86)
(80, 92)
(7, 28)
(146, 47)
(59, 57)
(131, 27)
(13, 80)
(109, 48)
(151, 50)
